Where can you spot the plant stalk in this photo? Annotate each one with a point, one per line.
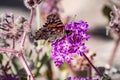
(98, 72)
(114, 51)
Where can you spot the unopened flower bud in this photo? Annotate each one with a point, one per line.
(31, 3)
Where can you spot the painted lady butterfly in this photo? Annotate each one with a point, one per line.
(52, 29)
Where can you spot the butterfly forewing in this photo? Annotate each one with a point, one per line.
(52, 29)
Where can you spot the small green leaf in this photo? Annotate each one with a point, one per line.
(30, 53)
(40, 64)
(63, 66)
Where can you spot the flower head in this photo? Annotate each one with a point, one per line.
(12, 27)
(80, 26)
(31, 3)
(51, 6)
(64, 49)
(114, 23)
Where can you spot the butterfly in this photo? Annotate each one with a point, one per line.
(52, 29)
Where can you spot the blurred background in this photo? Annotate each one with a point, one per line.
(95, 12)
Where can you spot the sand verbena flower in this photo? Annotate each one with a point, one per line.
(64, 49)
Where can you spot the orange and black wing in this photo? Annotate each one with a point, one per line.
(51, 29)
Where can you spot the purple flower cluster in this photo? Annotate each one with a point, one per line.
(8, 77)
(64, 49)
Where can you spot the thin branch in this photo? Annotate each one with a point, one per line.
(25, 32)
(11, 56)
(22, 59)
(23, 39)
(20, 52)
(12, 51)
(114, 51)
(31, 17)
